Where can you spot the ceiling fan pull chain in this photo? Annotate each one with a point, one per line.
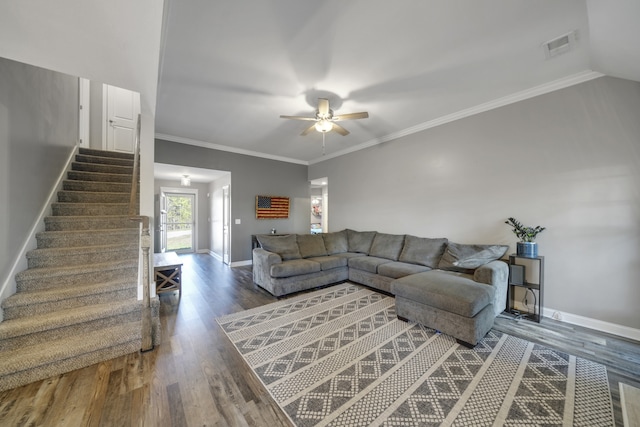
(323, 133)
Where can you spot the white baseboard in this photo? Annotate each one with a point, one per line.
(241, 263)
(598, 325)
(20, 263)
(215, 255)
(203, 251)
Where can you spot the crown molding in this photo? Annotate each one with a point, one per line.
(565, 82)
(211, 146)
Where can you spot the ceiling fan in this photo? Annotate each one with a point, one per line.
(325, 121)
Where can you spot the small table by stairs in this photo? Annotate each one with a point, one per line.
(167, 272)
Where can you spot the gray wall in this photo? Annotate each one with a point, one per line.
(38, 132)
(202, 204)
(251, 176)
(568, 160)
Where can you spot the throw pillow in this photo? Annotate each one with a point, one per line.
(423, 251)
(311, 245)
(387, 246)
(336, 242)
(360, 241)
(466, 258)
(286, 246)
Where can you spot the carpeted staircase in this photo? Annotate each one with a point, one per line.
(77, 304)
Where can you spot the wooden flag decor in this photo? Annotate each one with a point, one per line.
(272, 207)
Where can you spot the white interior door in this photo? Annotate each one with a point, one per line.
(122, 108)
(226, 238)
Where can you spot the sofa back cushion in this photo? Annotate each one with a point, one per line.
(286, 246)
(336, 242)
(466, 258)
(423, 250)
(311, 245)
(360, 241)
(387, 246)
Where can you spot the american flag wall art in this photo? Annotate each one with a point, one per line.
(272, 207)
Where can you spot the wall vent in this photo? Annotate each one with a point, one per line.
(559, 45)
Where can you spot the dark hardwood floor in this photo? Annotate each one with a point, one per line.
(196, 378)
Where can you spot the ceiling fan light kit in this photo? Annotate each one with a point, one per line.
(325, 120)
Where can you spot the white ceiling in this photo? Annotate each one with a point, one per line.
(229, 69)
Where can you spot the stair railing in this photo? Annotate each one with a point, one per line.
(145, 244)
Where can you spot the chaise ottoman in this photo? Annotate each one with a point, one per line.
(446, 301)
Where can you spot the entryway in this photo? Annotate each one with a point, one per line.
(179, 225)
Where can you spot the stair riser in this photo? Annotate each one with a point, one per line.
(102, 168)
(85, 239)
(92, 197)
(98, 177)
(67, 331)
(106, 154)
(73, 279)
(21, 378)
(103, 160)
(48, 307)
(97, 187)
(89, 209)
(61, 223)
(65, 259)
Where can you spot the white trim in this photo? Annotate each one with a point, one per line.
(203, 251)
(227, 148)
(497, 103)
(241, 263)
(598, 325)
(215, 255)
(84, 111)
(104, 118)
(20, 263)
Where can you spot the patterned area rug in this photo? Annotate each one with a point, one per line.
(340, 357)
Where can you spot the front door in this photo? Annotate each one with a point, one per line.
(123, 108)
(180, 222)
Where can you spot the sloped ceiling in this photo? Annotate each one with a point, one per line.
(229, 69)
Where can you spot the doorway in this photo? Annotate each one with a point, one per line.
(121, 109)
(178, 220)
(319, 193)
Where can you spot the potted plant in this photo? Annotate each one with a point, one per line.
(527, 246)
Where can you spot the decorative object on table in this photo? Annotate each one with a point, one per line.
(527, 246)
(272, 207)
(340, 357)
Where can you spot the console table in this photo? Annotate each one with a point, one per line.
(167, 272)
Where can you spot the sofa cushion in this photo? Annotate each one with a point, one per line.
(445, 290)
(311, 245)
(294, 267)
(367, 263)
(466, 258)
(336, 242)
(286, 246)
(329, 262)
(423, 250)
(360, 241)
(395, 269)
(387, 246)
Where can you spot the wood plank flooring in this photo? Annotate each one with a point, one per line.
(196, 378)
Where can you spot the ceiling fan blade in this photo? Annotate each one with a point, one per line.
(298, 118)
(342, 131)
(308, 130)
(351, 116)
(323, 107)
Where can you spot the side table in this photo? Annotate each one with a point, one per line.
(528, 274)
(167, 272)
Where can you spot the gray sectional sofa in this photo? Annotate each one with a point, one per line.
(454, 288)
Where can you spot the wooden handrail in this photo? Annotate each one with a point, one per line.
(145, 245)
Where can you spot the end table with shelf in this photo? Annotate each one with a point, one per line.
(531, 280)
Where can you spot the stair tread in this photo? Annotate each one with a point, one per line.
(82, 249)
(12, 328)
(125, 231)
(60, 293)
(53, 272)
(37, 355)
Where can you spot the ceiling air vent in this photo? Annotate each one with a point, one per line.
(559, 45)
